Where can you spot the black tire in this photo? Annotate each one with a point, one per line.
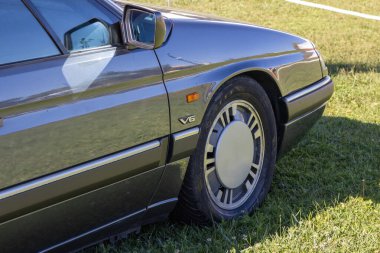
(195, 204)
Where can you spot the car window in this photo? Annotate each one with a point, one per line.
(22, 37)
(80, 24)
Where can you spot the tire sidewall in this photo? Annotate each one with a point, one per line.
(240, 88)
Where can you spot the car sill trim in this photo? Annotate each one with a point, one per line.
(77, 169)
(52, 248)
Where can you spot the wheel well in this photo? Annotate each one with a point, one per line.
(273, 92)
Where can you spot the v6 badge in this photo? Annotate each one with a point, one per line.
(187, 119)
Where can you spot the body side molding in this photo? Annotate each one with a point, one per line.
(77, 169)
(309, 98)
(183, 144)
(63, 185)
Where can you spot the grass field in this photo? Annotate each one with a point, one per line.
(367, 6)
(326, 192)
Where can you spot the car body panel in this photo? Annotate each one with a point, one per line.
(62, 112)
(304, 108)
(197, 45)
(201, 54)
(78, 215)
(56, 187)
(307, 99)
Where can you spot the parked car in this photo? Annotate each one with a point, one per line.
(114, 116)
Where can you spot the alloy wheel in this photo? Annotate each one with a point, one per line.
(234, 154)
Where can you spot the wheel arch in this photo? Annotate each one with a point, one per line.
(269, 84)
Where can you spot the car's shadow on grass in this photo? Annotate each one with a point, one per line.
(336, 67)
(339, 158)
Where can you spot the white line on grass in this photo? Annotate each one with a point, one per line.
(329, 8)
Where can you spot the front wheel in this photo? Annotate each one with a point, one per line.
(231, 171)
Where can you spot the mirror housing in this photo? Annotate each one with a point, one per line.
(143, 27)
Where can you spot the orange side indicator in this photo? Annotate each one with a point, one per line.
(192, 97)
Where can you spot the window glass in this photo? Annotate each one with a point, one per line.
(80, 24)
(22, 37)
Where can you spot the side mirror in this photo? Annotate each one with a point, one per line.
(93, 33)
(143, 27)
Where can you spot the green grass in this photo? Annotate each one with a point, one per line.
(326, 192)
(367, 6)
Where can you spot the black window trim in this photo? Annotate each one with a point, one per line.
(45, 25)
(62, 56)
(31, 61)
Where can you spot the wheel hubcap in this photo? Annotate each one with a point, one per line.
(234, 154)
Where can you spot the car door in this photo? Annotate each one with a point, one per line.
(79, 111)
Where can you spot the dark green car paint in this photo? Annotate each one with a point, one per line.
(79, 164)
